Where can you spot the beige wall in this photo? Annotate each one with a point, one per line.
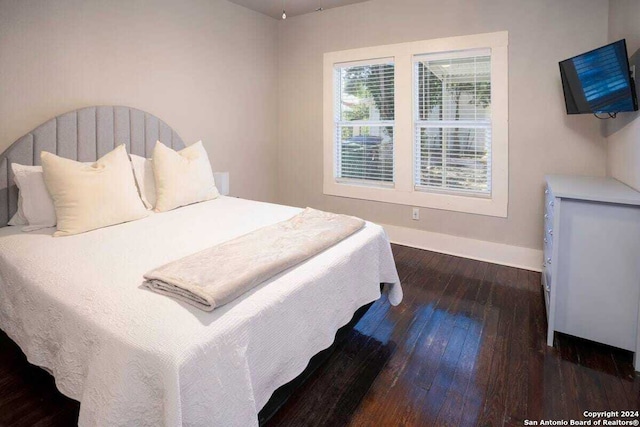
(206, 67)
(543, 139)
(215, 71)
(623, 133)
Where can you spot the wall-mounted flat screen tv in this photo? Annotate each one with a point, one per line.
(599, 81)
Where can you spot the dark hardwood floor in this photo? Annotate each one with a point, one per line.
(466, 347)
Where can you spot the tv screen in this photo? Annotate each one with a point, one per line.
(599, 81)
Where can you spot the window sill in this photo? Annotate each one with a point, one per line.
(490, 206)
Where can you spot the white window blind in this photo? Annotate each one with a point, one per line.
(452, 105)
(364, 118)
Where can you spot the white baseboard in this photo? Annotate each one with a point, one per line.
(496, 253)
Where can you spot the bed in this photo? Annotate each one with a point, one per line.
(77, 308)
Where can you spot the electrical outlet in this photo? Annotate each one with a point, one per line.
(416, 214)
(633, 72)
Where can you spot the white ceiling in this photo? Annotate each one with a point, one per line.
(273, 8)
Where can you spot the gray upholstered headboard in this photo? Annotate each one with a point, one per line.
(84, 135)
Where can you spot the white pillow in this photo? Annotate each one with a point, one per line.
(35, 206)
(182, 177)
(87, 197)
(18, 217)
(143, 171)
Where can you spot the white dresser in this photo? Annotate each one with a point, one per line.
(591, 270)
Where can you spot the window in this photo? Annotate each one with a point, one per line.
(422, 124)
(364, 121)
(452, 95)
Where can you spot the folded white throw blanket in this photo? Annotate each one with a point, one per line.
(218, 275)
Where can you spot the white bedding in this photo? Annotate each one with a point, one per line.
(76, 306)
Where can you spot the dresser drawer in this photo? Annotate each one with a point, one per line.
(547, 253)
(546, 276)
(547, 247)
(547, 240)
(548, 198)
(547, 265)
(549, 206)
(549, 201)
(548, 217)
(548, 230)
(546, 290)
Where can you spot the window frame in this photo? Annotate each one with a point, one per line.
(419, 125)
(403, 191)
(339, 122)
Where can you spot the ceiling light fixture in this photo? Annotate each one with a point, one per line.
(284, 14)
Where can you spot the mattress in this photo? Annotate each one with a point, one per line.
(76, 307)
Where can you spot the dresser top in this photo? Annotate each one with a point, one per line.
(593, 188)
